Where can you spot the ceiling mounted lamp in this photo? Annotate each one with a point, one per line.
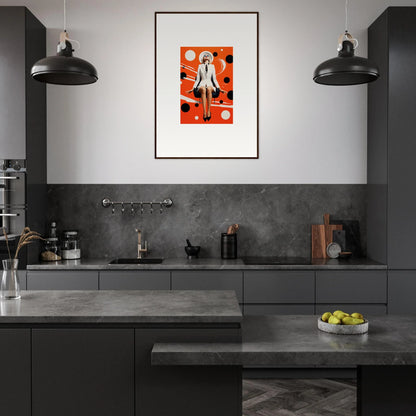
(64, 68)
(346, 68)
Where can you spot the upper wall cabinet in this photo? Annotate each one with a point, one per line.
(391, 152)
(22, 99)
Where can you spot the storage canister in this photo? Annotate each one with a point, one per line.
(228, 246)
(70, 249)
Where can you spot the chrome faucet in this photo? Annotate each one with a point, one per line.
(140, 251)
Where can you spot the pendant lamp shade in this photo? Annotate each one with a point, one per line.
(346, 68)
(64, 69)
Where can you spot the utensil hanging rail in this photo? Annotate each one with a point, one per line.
(133, 206)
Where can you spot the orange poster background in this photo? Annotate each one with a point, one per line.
(224, 72)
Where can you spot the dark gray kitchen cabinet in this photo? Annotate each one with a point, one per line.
(357, 286)
(15, 381)
(209, 280)
(276, 287)
(135, 280)
(364, 308)
(402, 292)
(23, 119)
(23, 100)
(391, 168)
(279, 309)
(194, 389)
(83, 372)
(62, 280)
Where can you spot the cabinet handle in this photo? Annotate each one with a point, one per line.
(8, 178)
(9, 215)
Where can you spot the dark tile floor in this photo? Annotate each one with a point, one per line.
(290, 397)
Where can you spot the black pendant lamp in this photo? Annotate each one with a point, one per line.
(64, 68)
(346, 68)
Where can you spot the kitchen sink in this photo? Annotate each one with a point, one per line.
(137, 261)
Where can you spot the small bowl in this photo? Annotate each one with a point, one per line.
(192, 251)
(345, 254)
(343, 329)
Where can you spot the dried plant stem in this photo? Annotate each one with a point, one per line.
(26, 237)
(7, 243)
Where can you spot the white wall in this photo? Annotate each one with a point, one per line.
(104, 133)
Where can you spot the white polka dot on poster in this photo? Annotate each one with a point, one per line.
(196, 118)
(225, 115)
(190, 55)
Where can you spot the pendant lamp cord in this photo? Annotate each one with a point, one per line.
(64, 15)
(346, 35)
(64, 35)
(346, 16)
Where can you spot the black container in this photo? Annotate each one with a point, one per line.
(228, 246)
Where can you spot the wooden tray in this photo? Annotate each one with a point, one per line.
(343, 329)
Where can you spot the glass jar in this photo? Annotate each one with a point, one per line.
(51, 250)
(70, 249)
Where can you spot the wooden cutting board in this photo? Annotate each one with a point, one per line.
(322, 236)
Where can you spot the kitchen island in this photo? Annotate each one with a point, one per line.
(385, 357)
(89, 353)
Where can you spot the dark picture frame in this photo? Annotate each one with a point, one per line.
(242, 141)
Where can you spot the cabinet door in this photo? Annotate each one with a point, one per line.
(209, 280)
(83, 372)
(186, 390)
(356, 286)
(15, 372)
(281, 309)
(12, 85)
(62, 280)
(135, 280)
(402, 292)
(401, 225)
(279, 287)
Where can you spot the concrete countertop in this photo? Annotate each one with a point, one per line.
(291, 341)
(124, 307)
(210, 264)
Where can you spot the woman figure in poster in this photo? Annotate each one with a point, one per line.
(206, 85)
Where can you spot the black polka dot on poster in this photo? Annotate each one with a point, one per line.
(226, 80)
(183, 75)
(185, 107)
(229, 59)
(215, 54)
(230, 95)
(196, 104)
(221, 101)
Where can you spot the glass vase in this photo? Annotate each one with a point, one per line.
(10, 287)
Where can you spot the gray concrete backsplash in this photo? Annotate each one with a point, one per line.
(274, 219)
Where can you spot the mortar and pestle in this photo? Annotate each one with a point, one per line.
(192, 251)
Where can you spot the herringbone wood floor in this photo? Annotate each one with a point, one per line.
(293, 397)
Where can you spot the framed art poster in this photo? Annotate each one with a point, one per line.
(206, 85)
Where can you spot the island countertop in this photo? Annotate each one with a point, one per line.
(123, 307)
(295, 341)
